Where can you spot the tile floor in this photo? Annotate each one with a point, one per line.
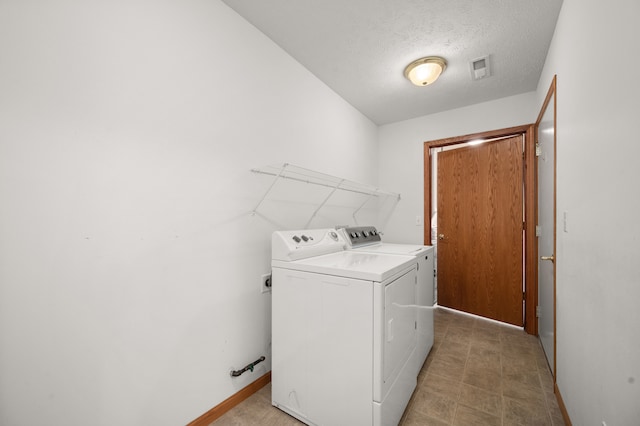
(479, 372)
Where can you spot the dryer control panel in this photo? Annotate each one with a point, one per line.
(358, 236)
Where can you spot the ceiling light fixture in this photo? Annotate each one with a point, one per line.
(424, 71)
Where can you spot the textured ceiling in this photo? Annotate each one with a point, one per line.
(359, 48)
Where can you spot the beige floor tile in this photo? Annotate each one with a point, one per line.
(524, 413)
(424, 370)
(518, 391)
(518, 342)
(550, 396)
(458, 335)
(466, 416)
(546, 380)
(442, 385)
(487, 380)
(435, 405)
(552, 401)
(488, 352)
(480, 399)
(438, 337)
(526, 377)
(482, 343)
(486, 335)
(451, 347)
(557, 420)
(488, 324)
(543, 364)
(415, 418)
(512, 357)
(447, 368)
(488, 361)
(255, 410)
(279, 418)
(454, 359)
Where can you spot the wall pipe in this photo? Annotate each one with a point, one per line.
(236, 373)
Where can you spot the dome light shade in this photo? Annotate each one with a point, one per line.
(424, 71)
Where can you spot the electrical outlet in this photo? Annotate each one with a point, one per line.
(265, 283)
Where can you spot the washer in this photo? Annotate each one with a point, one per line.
(368, 239)
(342, 336)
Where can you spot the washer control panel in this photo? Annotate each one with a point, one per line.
(293, 245)
(302, 238)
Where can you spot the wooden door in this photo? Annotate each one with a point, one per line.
(480, 229)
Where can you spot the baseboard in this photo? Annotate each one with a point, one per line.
(563, 408)
(235, 399)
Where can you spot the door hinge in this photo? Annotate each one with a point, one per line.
(538, 230)
(524, 226)
(537, 311)
(538, 150)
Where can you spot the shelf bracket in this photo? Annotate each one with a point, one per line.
(323, 203)
(277, 177)
(355, 220)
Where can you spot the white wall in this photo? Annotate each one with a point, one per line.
(129, 260)
(402, 159)
(598, 288)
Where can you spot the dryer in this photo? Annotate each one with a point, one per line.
(368, 239)
(342, 340)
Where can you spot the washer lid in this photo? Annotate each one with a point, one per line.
(352, 264)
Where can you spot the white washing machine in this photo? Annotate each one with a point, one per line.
(368, 239)
(342, 337)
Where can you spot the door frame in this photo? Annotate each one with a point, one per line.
(530, 208)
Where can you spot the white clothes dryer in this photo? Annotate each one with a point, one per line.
(368, 239)
(342, 342)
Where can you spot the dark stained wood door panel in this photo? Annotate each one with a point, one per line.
(480, 229)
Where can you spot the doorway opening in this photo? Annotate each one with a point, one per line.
(525, 229)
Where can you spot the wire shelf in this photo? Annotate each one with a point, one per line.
(301, 174)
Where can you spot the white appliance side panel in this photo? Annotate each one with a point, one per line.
(390, 411)
(400, 334)
(322, 347)
(290, 342)
(424, 297)
(425, 278)
(378, 341)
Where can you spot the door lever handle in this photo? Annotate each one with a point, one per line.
(551, 258)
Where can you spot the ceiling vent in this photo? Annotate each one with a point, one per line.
(480, 68)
